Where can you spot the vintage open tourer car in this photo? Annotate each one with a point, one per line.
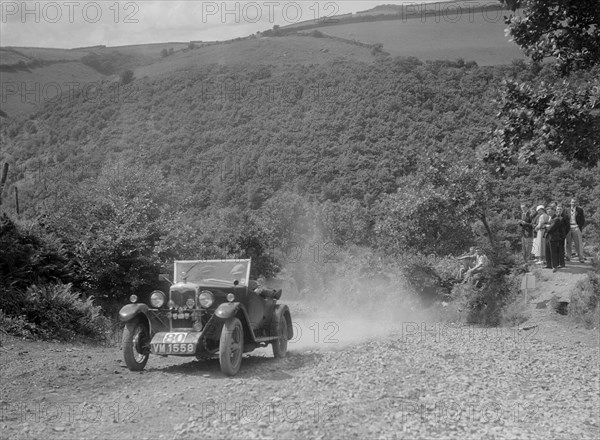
(212, 309)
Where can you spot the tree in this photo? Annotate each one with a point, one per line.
(113, 226)
(562, 113)
(126, 76)
(562, 117)
(567, 30)
(434, 208)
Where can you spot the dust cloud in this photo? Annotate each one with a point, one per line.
(351, 310)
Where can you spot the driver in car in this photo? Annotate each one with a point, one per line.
(239, 272)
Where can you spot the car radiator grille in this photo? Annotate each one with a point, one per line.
(180, 297)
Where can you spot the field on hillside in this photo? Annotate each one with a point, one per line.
(27, 91)
(52, 73)
(148, 51)
(288, 50)
(434, 38)
(12, 55)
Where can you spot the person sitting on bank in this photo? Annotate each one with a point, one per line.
(481, 261)
(467, 261)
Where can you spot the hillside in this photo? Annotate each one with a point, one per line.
(450, 30)
(340, 128)
(322, 130)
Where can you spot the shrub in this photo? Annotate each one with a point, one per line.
(377, 49)
(583, 306)
(425, 280)
(126, 76)
(487, 300)
(17, 326)
(516, 312)
(55, 311)
(29, 255)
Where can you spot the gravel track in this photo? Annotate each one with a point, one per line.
(418, 380)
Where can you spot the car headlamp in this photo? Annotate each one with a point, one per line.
(206, 299)
(157, 299)
(133, 298)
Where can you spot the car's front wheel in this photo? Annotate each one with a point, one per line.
(281, 343)
(136, 345)
(231, 346)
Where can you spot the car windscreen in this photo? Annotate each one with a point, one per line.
(212, 271)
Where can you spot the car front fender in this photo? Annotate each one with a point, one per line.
(231, 310)
(227, 310)
(130, 311)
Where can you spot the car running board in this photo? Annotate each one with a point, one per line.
(266, 339)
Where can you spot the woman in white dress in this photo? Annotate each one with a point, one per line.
(539, 247)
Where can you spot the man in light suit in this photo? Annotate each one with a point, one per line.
(577, 222)
(526, 232)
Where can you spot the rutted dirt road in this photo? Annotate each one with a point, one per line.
(418, 380)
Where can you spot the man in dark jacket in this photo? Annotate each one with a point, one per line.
(577, 222)
(561, 213)
(526, 232)
(554, 234)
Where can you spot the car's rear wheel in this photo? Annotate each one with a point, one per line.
(280, 345)
(136, 345)
(231, 346)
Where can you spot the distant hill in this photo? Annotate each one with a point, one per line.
(430, 31)
(256, 51)
(32, 77)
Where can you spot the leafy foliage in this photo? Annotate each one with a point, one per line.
(28, 256)
(435, 208)
(566, 30)
(485, 302)
(563, 114)
(126, 76)
(585, 301)
(55, 311)
(112, 228)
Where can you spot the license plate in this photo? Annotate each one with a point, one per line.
(174, 338)
(163, 348)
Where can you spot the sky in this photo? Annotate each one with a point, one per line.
(74, 23)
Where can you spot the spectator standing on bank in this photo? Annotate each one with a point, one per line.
(553, 236)
(526, 232)
(539, 245)
(577, 222)
(566, 227)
